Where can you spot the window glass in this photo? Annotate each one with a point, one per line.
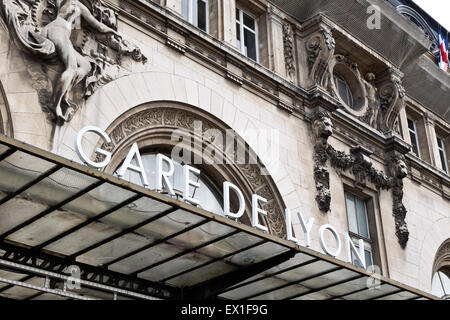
(250, 44)
(440, 285)
(246, 34)
(249, 21)
(442, 155)
(343, 90)
(351, 213)
(185, 9)
(362, 218)
(202, 15)
(413, 137)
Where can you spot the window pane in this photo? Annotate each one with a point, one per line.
(413, 138)
(362, 218)
(249, 21)
(351, 213)
(202, 15)
(237, 14)
(250, 44)
(368, 256)
(439, 142)
(185, 9)
(411, 125)
(445, 280)
(194, 18)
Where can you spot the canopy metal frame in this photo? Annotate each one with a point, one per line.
(37, 261)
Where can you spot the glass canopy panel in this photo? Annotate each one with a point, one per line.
(404, 295)
(257, 254)
(99, 231)
(330, 278)
(282, 293)
(202, 274)
(51, 191)
(19, 169)
(346, 288)
(254, 288)
(76, 212)
(371, 292)
(297, 260)
(11, 276)
(306, 271)
(20, 293)
(169, 224)
(174, 266)
(202, 234)
(229, 245)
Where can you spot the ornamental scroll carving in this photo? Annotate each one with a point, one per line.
(320, 50)
(359, 163)
(170, 118)
(75, 38)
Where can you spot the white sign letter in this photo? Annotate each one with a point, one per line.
(80, 151)
(290, 237)
(134, 153)
(256, 210)
(163, 176)
(226, 200)
(350, 247)
(322, 240)
(187, 182)
(306, 228)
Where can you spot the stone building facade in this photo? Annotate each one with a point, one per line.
(351, 116)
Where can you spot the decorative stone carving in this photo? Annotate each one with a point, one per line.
(398, 172)
(169, 117)
(371, 117)
(88, 55)
(320, 50)
(288, 50)
(359, 163)
(322, 129)
(391, 94)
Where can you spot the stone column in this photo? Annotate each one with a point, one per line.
(404, 126)
(229, 21)
(275, 41)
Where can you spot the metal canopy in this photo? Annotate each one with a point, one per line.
(132, 243)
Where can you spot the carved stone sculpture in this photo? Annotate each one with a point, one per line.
(320, 50)
(399, 171)
(322, 129)
(359, 163)
(78, 35)
(371, 117)
(391, 94)
(288, 50)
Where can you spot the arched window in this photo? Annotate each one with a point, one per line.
(440, 285)
(207, 194)
(344, 90)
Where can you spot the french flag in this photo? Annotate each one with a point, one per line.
(443, 52)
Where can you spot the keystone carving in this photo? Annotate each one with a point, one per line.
(359, 163)
(79, 37)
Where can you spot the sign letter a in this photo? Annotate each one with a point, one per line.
(134, 154)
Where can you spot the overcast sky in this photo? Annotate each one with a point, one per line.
(438, 9)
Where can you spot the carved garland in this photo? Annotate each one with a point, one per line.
(174, 118)
(360, 165)
(288, 50)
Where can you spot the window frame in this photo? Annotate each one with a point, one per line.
(368, 242)
(442, 153)
(416, 136)
(337, 76)
(242, 26)
(190, 12)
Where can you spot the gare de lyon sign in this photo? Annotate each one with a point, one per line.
(163, 183)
